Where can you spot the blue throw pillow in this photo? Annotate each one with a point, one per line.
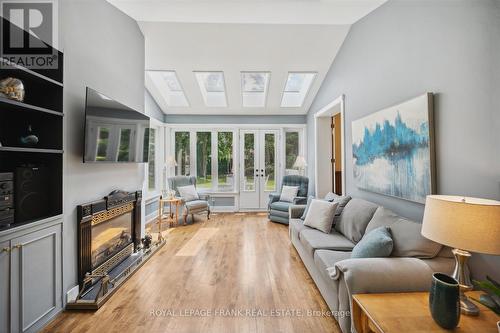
(376, 244)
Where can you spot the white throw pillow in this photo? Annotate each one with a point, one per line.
(320, 215)
(188, 193)
(288, 193)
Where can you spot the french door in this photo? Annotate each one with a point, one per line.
(258, 167)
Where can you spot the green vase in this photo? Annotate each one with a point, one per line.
(444, 300)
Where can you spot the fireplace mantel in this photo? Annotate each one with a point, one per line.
(116, 204)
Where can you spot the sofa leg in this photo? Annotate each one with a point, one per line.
(185, 219)
(192, 218)
(208, 214)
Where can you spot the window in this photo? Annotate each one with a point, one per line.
(151, 159)
(225, 167)
(182, 154)
(212, 88)
(204, 160)
(169, 86)
(296, 89)
(254, 88)
(249, 161)
(291, 148)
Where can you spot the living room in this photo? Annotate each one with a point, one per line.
(287, 165)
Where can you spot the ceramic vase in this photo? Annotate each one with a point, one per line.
(444, 300)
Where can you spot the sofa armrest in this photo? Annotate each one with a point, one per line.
(300, 200)
(273, 197)
(379, 275)
(296, 211)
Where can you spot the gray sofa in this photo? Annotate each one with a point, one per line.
(327, 257)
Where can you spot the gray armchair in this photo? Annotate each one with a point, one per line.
(278, 210)
(194, 206)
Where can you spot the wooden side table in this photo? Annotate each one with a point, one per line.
(173, 216)
(409, 313)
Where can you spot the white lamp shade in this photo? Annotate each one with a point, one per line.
(300, 162)
(170, 162)
(464, 223)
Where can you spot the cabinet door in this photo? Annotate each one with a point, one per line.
(4, 286)
(36, 278)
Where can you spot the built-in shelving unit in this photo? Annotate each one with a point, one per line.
(42, 111)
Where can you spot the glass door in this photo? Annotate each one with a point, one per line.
(259, 167)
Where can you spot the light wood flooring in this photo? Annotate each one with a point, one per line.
(233, 273)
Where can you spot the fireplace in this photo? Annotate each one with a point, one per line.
(108, 232)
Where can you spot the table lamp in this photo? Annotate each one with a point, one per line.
(300, 163)
(465, 224)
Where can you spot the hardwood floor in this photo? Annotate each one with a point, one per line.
(231, 263)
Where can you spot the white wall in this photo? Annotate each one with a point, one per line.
(103, 49)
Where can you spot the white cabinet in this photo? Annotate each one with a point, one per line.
(31, 275)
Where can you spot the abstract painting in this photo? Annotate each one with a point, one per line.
(393, 150)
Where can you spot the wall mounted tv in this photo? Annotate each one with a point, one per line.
(114, 133)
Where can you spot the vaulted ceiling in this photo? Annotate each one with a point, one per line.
(273, 36)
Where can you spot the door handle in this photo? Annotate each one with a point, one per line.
(18, 246)
(6, 249)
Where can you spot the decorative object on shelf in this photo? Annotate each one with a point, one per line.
(29, 139)
(146, 241)
(465, 224)
(12, 88)
(393, 150)
(300, 164)
(444, 300)
(492, 297)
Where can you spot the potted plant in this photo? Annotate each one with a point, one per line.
(492, 297)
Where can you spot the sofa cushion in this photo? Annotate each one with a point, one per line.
(197, 204)
(281, 213)
(320, 215)
(327, 258)
(342, 200)
(408, 241)
(354, 219)
(374, 244)
(313, 239)
(281, 205)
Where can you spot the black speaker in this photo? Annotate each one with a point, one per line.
(32, 197)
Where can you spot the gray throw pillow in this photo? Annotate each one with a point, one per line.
(320, 215)
(375, 244)
(288, 193)
(354, 219)
(309, 199)
(408, 241)
(188, 193)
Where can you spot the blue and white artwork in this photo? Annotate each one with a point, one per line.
(392, 150)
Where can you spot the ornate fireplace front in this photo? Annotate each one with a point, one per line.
(108, 233)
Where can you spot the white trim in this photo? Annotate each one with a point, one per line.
(188, 127)
(328, 111)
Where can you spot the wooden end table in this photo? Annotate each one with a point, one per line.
(409, 313)
(173, 217)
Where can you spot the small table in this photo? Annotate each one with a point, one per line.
(409, 313)
(173, 217)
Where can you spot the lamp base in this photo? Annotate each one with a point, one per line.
(462, 275)
(467, 307)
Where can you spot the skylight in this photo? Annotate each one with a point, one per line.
(254, 88)
(212, 88)
(296, 89)
(169, 86)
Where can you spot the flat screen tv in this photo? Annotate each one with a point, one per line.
(114, 133)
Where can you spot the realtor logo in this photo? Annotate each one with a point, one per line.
(29, 33)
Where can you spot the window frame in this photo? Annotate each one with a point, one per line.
(159, 163)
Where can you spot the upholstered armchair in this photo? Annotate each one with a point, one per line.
(193, 206)
(278, 210)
